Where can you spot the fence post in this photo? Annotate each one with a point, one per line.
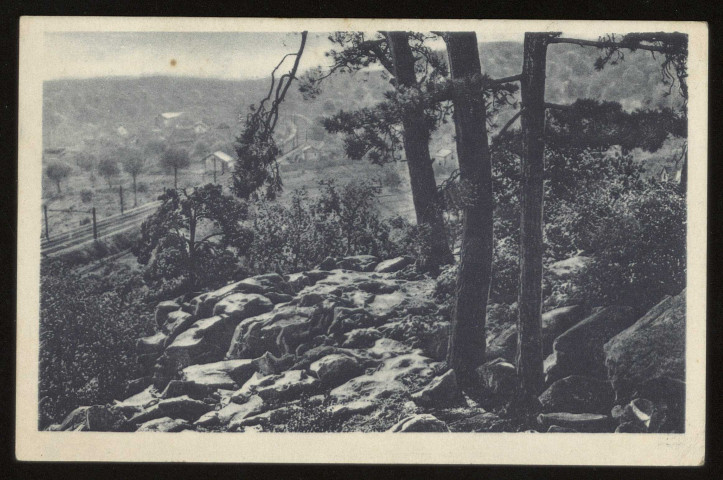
(120, 189)
(95, 228)
(47, 231)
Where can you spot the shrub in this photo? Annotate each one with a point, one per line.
(87, 340)
(86, 196)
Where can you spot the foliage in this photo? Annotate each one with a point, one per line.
(639, 248)
(175, 158)
(133, 162)
(194, 237)
(342, 221)
(85, 161)
(86, 196)
(57, 172)
(108, 168)
(87, 340)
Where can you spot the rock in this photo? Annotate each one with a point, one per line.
(310, 299)
(267, 364)
(138, 385)
(278, 332)
(420, 423)
(653, 347)
(164, 424)
(274, 388)
(343, 412)
(104, 418)
(204, 336)
(151, 345)
(361, 338)
(434, 345)
(393, 265)
(643, 409)
(163, 309)
(559, 429)
(271, 417)
(554, 323)
(348, 319)
(582, 422)
(578, 394)
(579, 351)
(226, 374)
(176, 322)
(498, 377)
(481, 422)
(387, 380)
(179, 388)
(358, 263)
(568, 267)
(140, 399)
(335, 369)
(243, 305)
(278, 297)
(178, 407)
(204, 304)
(442, 391)
(327, 264)
(74, 419)
(236, 413)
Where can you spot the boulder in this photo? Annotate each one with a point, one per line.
(578, 394)
(361, 337)
(176, 322)
(74, 420)
(327, 264)
(278, 332)
(554, 323)
(271, 417)
(387, 380)
(442, 391)
(581, 422)
(243, 305)
(105, 418)
(138, 385)
(163, 309)
(226, 374)
(651, 348)
(631, 427)
(393, 265)
(480, 422)
(579, 351)
(419, 423)
(358, 263)
(267, 364)
(151, 345)
(348, 319)
(179, 388)
(179, 407)
(570, 266)
(204, 304)
(164, 424)
(343, 412)
(207, 336)
(335, 369)
(274, 388)
(498, 377)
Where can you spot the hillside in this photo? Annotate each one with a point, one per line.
(78, 109)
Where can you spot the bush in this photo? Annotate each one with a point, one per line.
(86, 196)
(87, 340)
(639, 249)
(341, 221)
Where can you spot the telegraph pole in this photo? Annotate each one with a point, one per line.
(95, 228)
(47, 230)
(120, 191)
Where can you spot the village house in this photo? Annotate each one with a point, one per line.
(168, 119)
(217, 163)
(444, 156)
(668, 174)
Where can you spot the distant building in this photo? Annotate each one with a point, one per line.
(168, 119)
(217, 163)
(444, 156)
(304, 153)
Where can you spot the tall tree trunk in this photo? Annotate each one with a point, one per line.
(467, 341)
(57, 185)
(529, 321)
(192, 250)
(427, 205)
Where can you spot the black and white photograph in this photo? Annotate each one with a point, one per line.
(241, 230)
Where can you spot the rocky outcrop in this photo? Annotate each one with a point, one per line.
(443, 391)
(652, 348)
(579, 422)
(420, 423)
(578, 394)
(579, 351)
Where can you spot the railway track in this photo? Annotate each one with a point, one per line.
(81, 237)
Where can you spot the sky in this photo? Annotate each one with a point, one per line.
(226, 55)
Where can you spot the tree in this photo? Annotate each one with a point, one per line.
(467, 340)
(175, 159)
(374, 132)
(134, 164)
(256, 166)
(193, 234)
(57, 172)
(108, 169)
(85, 161)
